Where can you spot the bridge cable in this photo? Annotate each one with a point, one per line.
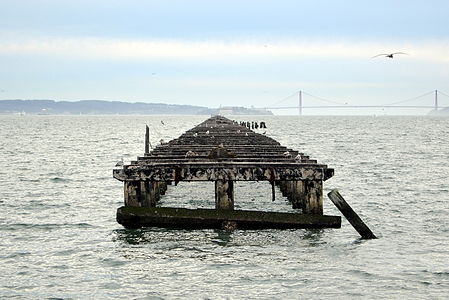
(439, 92)
(283, 99)
(410, 99)
(325, 100)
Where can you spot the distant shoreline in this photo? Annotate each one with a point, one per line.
(101, 107)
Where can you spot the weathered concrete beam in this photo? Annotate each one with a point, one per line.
(202, 158)
(222, 171)
(135, 217)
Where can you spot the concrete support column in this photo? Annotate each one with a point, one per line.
(313, 200)
(298, 194)
(224, 194)
(131, 193)
(149, 193)
(283, 188)
(162, 187)
(157, 190)
(290, 189)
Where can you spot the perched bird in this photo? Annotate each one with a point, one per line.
(162, 122)
(120, 163)
(190, 153)
(298, 157)
(207, 132)
(195, 134)
(389, 55)
(287, 154)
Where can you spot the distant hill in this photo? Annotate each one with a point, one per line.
(100, 107)
(94, 107)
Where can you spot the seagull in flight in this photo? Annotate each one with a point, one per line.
(389, 55)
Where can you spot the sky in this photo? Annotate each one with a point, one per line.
(224, 53)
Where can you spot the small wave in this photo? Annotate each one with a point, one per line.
(29, 180)
(47, 226)
(17, 254)
(438, 271)
(44, 204)
(113, 262)
(59, 179)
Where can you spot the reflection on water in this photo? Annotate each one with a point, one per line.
(129, 236)
(223, 237)
(313, 236)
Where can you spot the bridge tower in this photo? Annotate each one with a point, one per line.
(436, 100)
(300, 103)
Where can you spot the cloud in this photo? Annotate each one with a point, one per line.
(138, 49)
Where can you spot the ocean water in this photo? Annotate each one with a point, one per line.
(59, 238)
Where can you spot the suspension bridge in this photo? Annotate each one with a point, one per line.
(429, 100)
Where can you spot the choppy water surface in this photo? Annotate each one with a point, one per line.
(59, 237)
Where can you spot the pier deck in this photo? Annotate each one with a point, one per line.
(223, 151)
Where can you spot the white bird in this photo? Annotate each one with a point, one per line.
(120, 163)
(190, 153)
(287, 154)
(195, 134)
(298, 157)
(389, 55)
(207, 132)
(246, 133)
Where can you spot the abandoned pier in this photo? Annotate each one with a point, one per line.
(223, 151)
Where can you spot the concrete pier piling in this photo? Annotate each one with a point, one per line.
(223, 151)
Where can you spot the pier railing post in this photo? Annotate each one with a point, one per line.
(224, 194)
(313, 197)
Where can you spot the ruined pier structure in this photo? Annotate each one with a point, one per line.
(223, 151)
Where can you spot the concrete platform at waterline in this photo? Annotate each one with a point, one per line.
(223, 151)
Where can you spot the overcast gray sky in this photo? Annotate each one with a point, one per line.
(223, 52)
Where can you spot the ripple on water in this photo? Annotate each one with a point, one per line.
(60, 238)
